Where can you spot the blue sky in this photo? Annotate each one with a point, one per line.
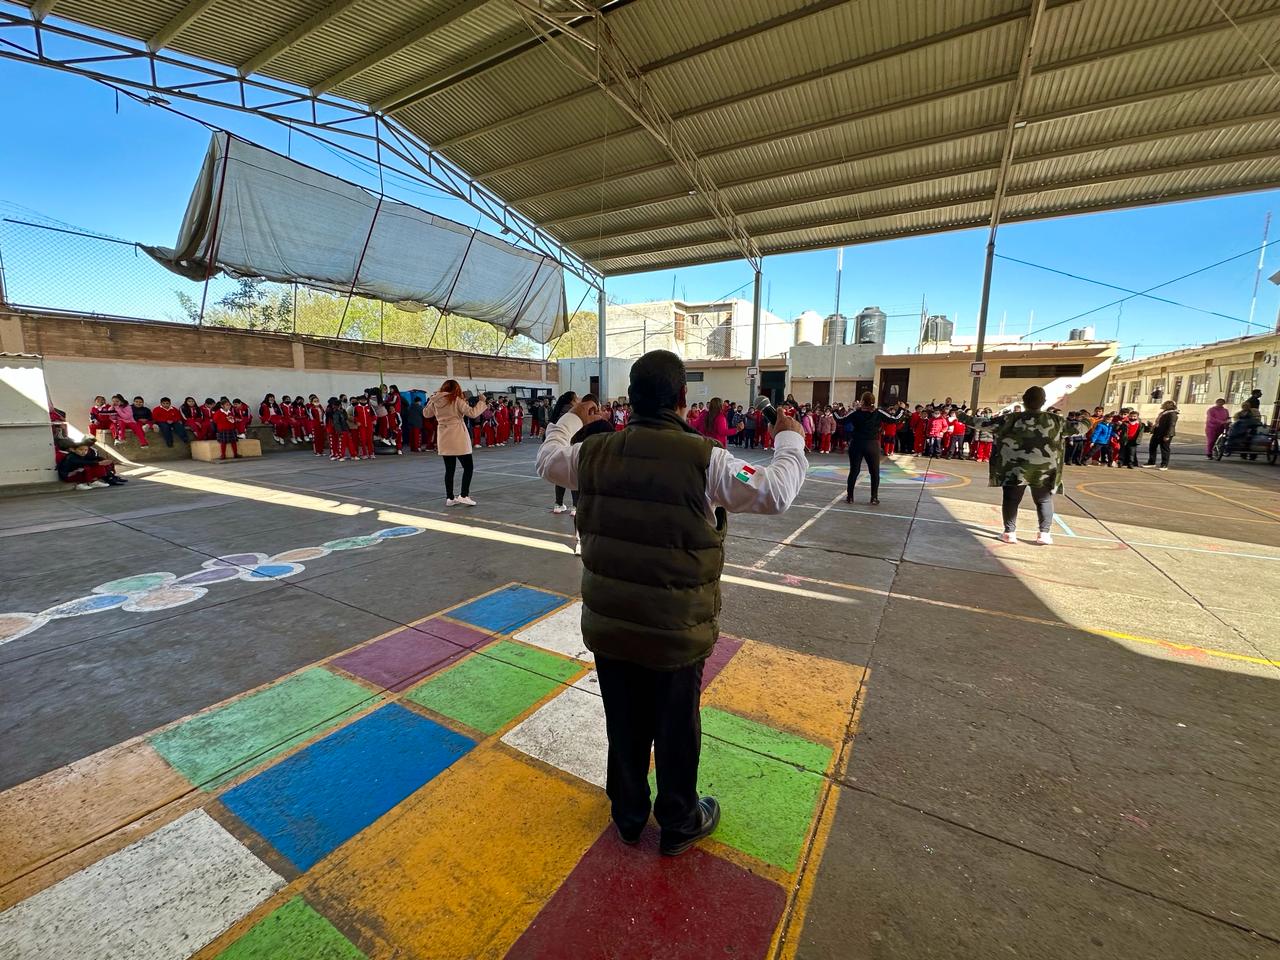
(73, 156)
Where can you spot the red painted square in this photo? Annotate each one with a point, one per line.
(629, 902)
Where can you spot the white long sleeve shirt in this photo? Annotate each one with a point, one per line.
(732, 483)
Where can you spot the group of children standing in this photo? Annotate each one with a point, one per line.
(1107, 439)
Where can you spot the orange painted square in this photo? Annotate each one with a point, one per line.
(462, 867)
(69, 807)
(807, 695)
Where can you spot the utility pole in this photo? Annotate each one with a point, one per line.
(754, 379)
(603, 353)
(835, 317)
(1257, 277)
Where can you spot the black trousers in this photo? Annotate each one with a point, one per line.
(1043, 497)
(656, 709)
(168, 430)
(1161, 444)
(871, 454)
(468, 467)
(560, 492)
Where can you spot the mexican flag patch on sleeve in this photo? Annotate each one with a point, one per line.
(745, 473)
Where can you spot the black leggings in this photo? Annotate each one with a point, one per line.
(468, 467)
(560, 492)
(1043, 497)
(871, 454)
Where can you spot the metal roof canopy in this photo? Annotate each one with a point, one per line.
(649, 134)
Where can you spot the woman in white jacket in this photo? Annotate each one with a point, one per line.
(449, 407)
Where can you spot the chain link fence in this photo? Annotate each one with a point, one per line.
(61, 269)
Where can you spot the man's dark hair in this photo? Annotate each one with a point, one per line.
(1034, 398)
(657, 381)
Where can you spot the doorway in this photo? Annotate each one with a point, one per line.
(821, 393)
(594, 389)
(893, 384)
(772, 384)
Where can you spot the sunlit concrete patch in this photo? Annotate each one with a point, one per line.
(568, 732)
(403, 658)
(162, 897)
(314, 801)
(212, 747)
(560, 633)
(292, 930)
(632, 904)
(804, 694)
(462, 867)
(74, 805)
(489, 690)
(508, 609)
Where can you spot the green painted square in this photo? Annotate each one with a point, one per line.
(215, 746)
(295, 930)
(767, 804)
(490, 689)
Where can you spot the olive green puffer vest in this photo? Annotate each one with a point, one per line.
(652, 558)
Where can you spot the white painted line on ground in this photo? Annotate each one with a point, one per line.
(161, 898)
(760, 564)
(1057, 518)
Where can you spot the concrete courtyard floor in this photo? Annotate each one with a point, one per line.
(292, 708)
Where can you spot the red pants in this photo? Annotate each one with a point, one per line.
(103, 424)
(477, 435)
(888, 443)
(235, 450)
(364, 441)
(767, 443)
(519, 431)
(415, 439)
(317, 438)
(824, 443)
(808, 441)
(503, 434)
(919, 442)
(490, 435)
(90, 473)
(982, 450)
(119, 429)
(242, 424)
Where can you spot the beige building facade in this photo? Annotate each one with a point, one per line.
(1196, 377)
(1076, 372)
(694, 331)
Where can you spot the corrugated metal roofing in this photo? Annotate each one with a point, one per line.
(822, 121)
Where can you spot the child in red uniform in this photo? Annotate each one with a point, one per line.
(363, 422)
(889, 436)
(240, 410)
(270, 413)
(124, 421)
(224, 422)
(917, 430)
(517, 422)
(102, 417)
(335, 420)
(168, 420)
(314, 414)
(502, 424)
(194, 418)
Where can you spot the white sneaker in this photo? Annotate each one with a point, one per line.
(573, 512)
(1009, 537)
(1045, 539)
(100, 484)
(559, 508)
(85, 486)
(452, 501)
(239, 436)
(1164, 468)
(466, 501)
(399, 453)
(577, 546)
(280, 440)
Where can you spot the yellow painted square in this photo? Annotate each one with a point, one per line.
(462, 867)
(806, 695)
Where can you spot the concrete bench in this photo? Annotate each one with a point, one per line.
(210, 450)
(154, 452)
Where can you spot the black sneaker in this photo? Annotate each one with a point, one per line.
(709, 810)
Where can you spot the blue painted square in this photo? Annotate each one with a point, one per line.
(322, 796)
(507, 610)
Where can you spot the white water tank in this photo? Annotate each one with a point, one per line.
(808, 327)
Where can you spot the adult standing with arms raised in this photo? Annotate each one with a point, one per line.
(862, 425)
(449, 408)
(1028, 454)
(653, 520)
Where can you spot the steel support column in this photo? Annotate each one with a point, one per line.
(754, 379)
(1034, 20)
(602, 351)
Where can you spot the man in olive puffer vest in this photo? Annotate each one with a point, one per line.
(652, 517)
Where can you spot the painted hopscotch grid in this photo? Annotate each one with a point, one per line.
(463, 752)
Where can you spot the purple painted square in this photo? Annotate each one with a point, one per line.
(724, 650)
(400, 660)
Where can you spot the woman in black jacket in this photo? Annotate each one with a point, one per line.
(1162, 434)
(862, 427)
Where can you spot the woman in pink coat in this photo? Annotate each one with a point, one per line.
(1216, 419)
(449, 408)
(716, 424)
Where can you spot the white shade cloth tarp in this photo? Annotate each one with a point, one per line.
(269, 216)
